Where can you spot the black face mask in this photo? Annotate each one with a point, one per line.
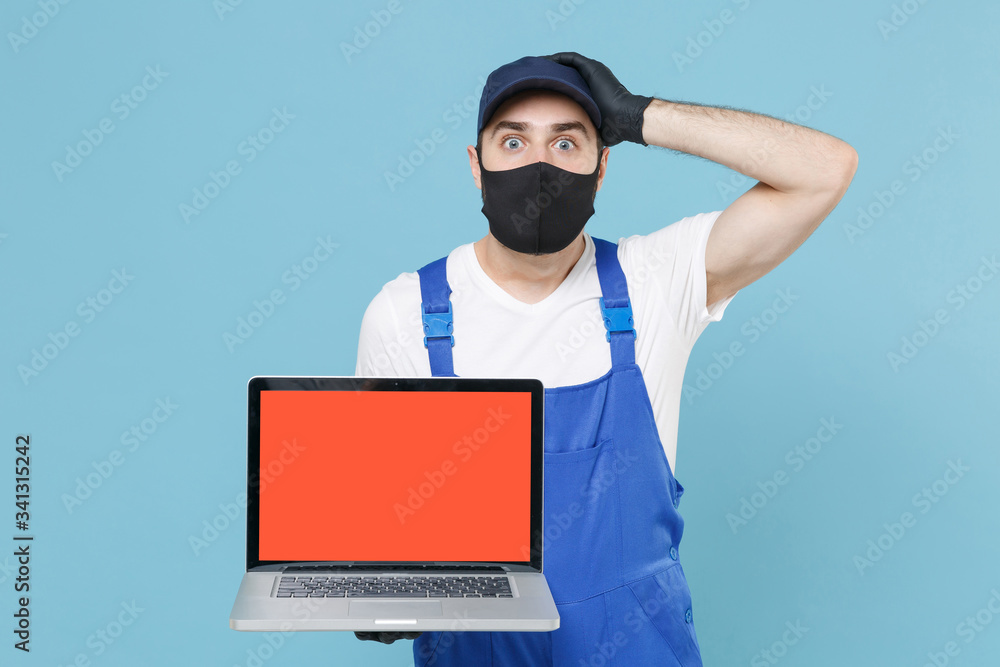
(538, 208)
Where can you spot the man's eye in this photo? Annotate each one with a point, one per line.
(564, 144)
(512, 143)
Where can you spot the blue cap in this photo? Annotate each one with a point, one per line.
(533, 72)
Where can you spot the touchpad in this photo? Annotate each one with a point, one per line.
(395, 609)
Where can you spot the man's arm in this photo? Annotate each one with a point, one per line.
(803, 174)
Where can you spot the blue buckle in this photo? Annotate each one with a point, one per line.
(618, 320)
(438, 325)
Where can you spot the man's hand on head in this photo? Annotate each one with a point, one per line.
(621, 111)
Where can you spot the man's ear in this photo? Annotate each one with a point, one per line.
(602, 166)
(474, 166)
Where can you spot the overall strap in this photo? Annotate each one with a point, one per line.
(616, 308)
(436, 311)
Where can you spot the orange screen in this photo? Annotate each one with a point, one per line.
(395, 475)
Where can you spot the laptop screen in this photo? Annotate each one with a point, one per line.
(394, 470)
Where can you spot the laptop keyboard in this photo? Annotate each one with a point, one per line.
(394, 587)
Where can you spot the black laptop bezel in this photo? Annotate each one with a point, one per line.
(351, 383)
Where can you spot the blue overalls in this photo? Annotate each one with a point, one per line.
(611, 523)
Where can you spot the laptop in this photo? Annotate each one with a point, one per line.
(394, 504)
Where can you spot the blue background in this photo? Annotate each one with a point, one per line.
(359, 115)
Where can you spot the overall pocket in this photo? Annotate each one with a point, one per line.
(573, 415)
(660, 620)
(582, 527)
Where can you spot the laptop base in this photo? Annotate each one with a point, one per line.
(530, 610)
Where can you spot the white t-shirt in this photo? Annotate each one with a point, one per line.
(561, 339)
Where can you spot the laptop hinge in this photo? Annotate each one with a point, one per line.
(394, 567)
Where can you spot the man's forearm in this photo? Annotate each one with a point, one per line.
(790, 158)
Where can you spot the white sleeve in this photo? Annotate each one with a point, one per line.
(672, 261)
(381, 341)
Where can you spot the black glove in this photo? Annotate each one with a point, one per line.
(621, 111)
(385, 637)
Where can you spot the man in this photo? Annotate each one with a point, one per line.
(608, 329)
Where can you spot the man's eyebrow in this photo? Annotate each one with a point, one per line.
(509, 125)
(571, 125)
(518, 126)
